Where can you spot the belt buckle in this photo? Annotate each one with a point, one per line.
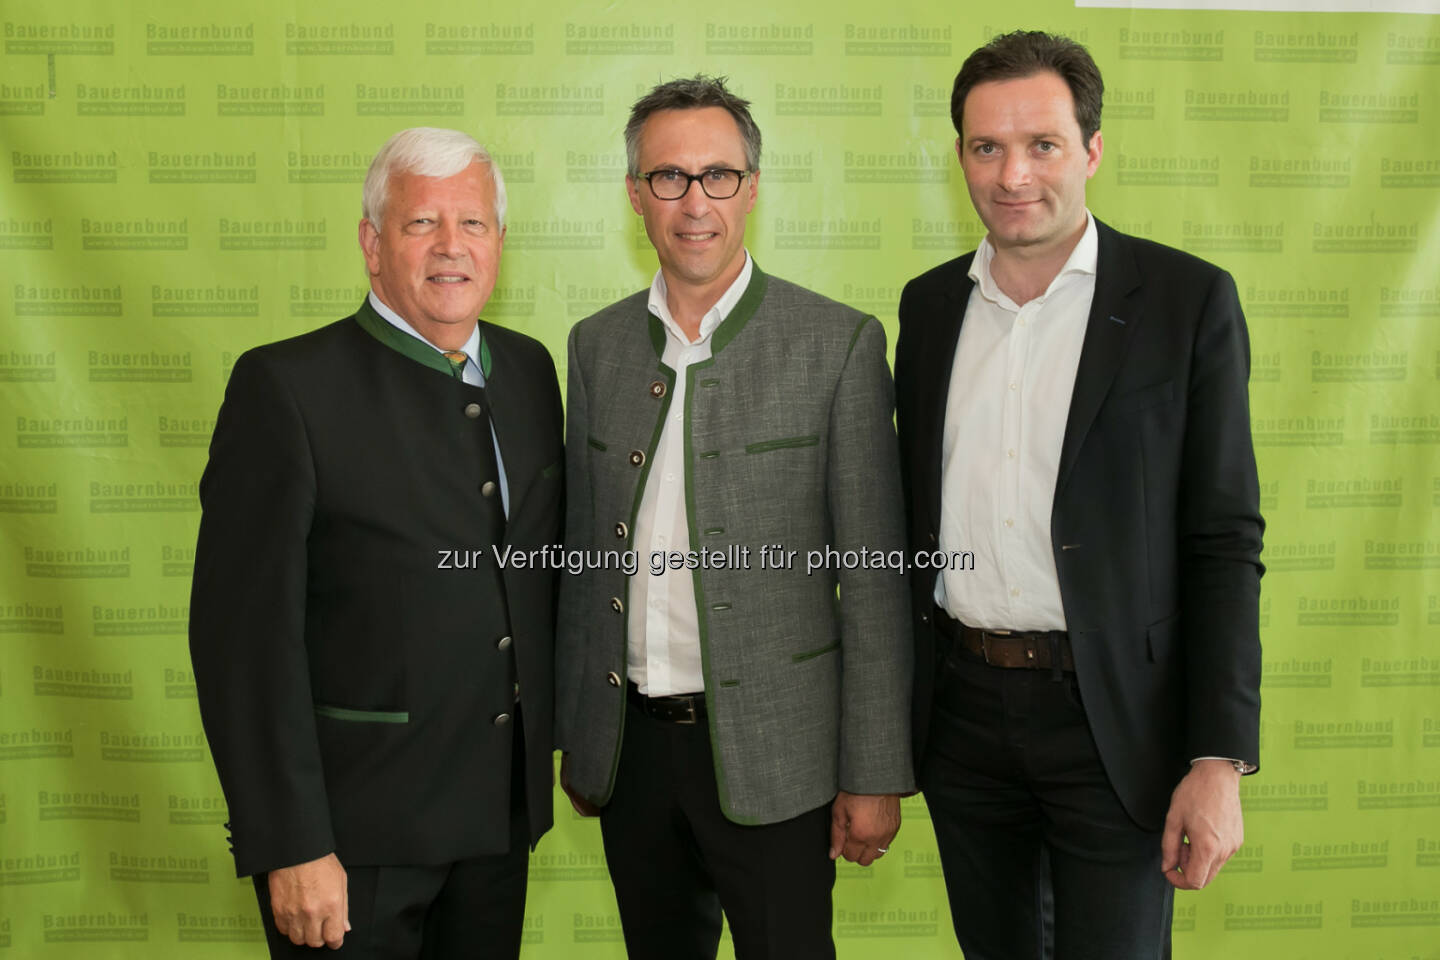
(673, 709)
(985, 636)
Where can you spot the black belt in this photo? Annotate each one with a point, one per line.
(1022, 649)
(681, 708)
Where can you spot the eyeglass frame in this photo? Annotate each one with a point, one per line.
(692, 178)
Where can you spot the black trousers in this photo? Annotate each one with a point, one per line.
(1041, 861)
(677, 862)
(473, 908)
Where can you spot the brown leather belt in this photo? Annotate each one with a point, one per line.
(1022, 649)
(682, 708)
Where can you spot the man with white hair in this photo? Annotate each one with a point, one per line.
(376, 689)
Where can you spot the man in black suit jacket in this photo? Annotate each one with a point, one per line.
(376, 688)
(1074, 425)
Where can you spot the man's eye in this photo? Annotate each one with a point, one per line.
(1045, 146)
(666, 176)
(985, 149)
(717, 176)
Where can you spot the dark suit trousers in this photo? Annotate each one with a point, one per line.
(472, 908)
(1040, 859)
(676, 861)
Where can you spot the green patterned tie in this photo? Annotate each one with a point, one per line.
(457, 360)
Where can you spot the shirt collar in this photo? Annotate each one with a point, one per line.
(471, 347)
(713, 317)
(1083, 259)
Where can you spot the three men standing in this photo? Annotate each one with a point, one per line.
(381, 725)
(1073, 407)
(738, 727)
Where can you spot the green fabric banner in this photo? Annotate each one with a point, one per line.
(180, 183)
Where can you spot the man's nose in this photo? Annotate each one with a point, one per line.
(1015, 171)
(447, 239)
(694, 201)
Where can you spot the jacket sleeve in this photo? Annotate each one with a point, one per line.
(247, 624)
(864, 500)
(1219, 537)
(570, 632)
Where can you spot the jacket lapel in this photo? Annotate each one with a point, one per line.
(938, 359)
(510, 411)
(1108, 333)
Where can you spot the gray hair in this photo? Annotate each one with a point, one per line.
(426, 152)
(691, 93)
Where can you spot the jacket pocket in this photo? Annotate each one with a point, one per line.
(765, 446)
(362, 716)
(812, 654)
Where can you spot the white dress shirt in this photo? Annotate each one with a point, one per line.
(663, 642)
(1005, 415)
(471, 375)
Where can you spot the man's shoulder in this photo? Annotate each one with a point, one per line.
(521, 346)
(783, 295)
(322, 345)
(942, 277)
(625, 310)
(1152, 257)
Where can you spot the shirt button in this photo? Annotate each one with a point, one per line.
(1009, 522)
(487, 489)
(1010, 453)
(503, 643)
(1012, 384)
(670, 477)
(472, 410)
(1014, 591)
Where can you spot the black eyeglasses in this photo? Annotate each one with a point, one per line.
(719, 183)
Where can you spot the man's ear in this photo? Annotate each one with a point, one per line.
(632, 187)
(370, 246)
(1093, 151)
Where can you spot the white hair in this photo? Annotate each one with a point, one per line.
(426, 152)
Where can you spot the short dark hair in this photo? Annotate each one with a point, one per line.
(1025, 53)
(691, 93)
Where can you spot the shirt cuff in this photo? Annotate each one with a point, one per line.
(1240, 765)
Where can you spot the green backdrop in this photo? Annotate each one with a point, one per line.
(178, 185)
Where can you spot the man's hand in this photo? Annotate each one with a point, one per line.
(582, 806)
(1205, 809)
(311, 902)
(862, 826)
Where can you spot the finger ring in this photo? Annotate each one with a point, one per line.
(882, 849)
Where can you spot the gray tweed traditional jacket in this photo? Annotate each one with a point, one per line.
(789, 441)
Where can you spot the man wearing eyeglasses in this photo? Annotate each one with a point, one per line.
(737, 710)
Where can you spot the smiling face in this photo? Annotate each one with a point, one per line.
(1026, 162)
(700, 241)
(435, 258)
